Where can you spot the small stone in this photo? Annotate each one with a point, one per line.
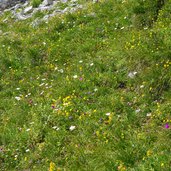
(17, 6)
(132, 74)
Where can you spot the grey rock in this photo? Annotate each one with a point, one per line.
(64, 1)
(19, 16)
(28, 9)
(45, 8)
(9, 3)
(17, 6)
(46, 3)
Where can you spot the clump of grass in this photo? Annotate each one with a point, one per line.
(36, 3)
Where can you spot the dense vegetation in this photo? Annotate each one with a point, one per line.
(89, 90)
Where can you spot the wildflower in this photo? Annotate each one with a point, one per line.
(148, 114)
(42, 93)
(52, 166)
(149, 153)
(18, 98)
(1, 149)
(28, 129)
(61, 70)
(137, 111)
(162, 164)
(56, 128)
(41, 84)
(167, 126)
(91, 64)
(72, 128)
(121, 167)
(75, 76)
(107, 114)
(29, 94)
(27, 150)
(15, 157)
(17, 88)
(95, 89)
(53, 106)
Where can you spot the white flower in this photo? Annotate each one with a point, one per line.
(80, 61)
(41, 84)
(41, 92)
(107, 114)
(18, 88)
(142, 86)
(61, 70)
(137, 111)
(91, 64)
(18, 98)
(28, 129)
(75, 76)
(56, 128)
(148, 114)
(95, 89)
(27, 150)
(72, 128)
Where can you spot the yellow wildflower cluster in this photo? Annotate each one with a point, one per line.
(167, 64)
(134, 42)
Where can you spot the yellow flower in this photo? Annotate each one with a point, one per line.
(52, 166)
(162, 164)
(121, 167)
(149, 153)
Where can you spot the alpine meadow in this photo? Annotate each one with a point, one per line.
(87, 88)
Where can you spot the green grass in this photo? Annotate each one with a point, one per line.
(35, 3)
(73, 71)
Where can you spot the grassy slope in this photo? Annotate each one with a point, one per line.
(71, 72)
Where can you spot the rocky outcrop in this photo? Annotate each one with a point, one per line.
(9, 3)
(22, 10)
